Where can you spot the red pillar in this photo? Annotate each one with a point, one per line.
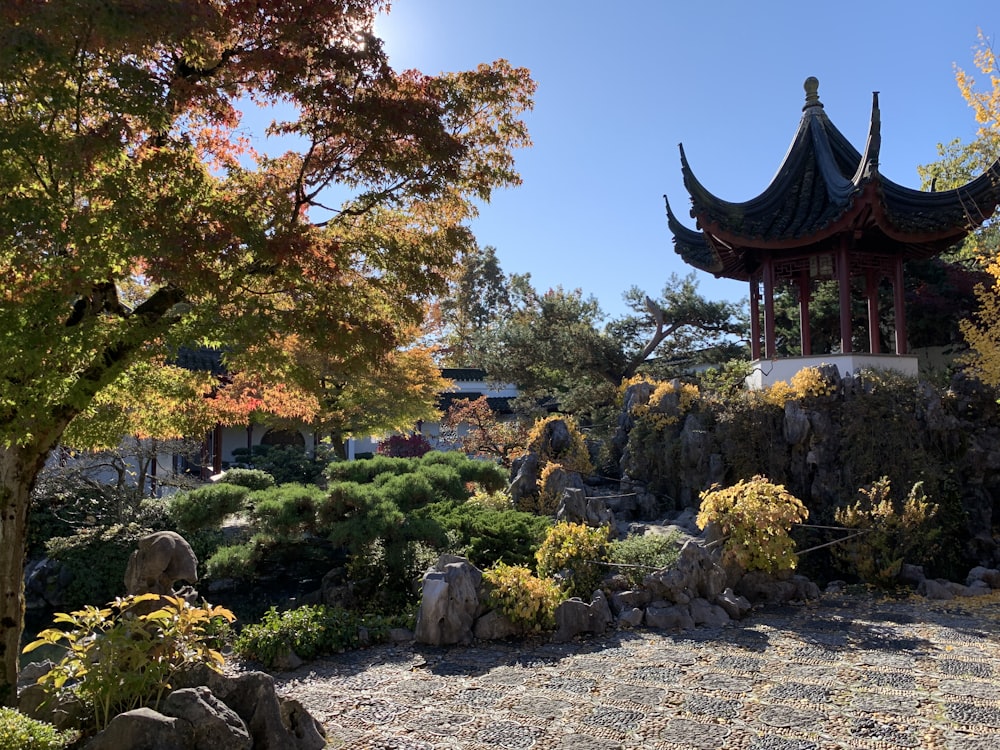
(899, 306)
(805, 335)
(769, 348)
(844, 281)
(871, 292)
(754, 317)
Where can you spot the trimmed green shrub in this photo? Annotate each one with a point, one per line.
(491, 476)
(20, 732)
(252, 479)
(366, 469)
(309, 631)
(488, 536)
(96, 559)
(286, 511)
(647, 552)
(233, 561)
(285, 463)
(206, 506)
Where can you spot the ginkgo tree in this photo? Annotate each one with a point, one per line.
(136, 216)
(959, 162)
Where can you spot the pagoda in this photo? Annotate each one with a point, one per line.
(828, 214)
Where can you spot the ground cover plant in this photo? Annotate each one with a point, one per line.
(20, 732)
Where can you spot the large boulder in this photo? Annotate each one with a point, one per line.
(274, 723)
(449, 602)
(575, 617)
(162, 559)
(145, 729)
(576, 507)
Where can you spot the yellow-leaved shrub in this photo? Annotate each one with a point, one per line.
(578, 549)
(893, 533)
(524, 598)
(755, 516)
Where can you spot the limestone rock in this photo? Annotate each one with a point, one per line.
(935, 589)
(669, 616)
(704, 612)
(449, 602)
(575, 617)
(161, 559)
(145, 729)
(274, 723)
(912, 575)
(989, 576)
(576, 507)
(495, 625)
(630, 618)
(213, 724)
(735, 606)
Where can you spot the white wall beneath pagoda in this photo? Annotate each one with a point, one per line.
(766, 372)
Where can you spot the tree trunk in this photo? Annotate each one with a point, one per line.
(18, 469)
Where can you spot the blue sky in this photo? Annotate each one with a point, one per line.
(621, 84)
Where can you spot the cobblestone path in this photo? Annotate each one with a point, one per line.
(848, 672)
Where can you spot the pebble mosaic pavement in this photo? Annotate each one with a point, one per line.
(847, 672)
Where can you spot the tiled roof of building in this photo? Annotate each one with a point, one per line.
(823, 189)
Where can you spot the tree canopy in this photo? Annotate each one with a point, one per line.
(562, 349)
(960, 162)
(139, 216)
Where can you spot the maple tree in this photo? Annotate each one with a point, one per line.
(138, 217)
(475, 428)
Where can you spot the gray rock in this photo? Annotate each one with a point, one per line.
(144, 729)
(213, 724)
(989, 576)
(572, 619)
(274, 723)
(734, 605)
(704, 612)
(495, 625)
(30, 673)
(525, 473)
(934, 589)
(630, 618)
(287, 661)
(669, 616)
(978, 588)
(63, 712)
(576, 507)
(161, 559)
(911, 575)
(575, 617)
(449, 602)
(400, 635)
(623, 600)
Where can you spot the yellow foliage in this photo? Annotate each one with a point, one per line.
(551, 488)
(756, 516)
(575, 458)
(579, 549)
(778, 394)
(809, 382)
(668, 403)
(893, 533)
(527, 600)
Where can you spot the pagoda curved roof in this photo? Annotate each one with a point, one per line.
(824, 188)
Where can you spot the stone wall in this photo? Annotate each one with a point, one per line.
(824, 447)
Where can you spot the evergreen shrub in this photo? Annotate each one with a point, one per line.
(206, 506)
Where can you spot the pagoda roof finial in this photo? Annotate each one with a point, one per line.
(812, 93)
